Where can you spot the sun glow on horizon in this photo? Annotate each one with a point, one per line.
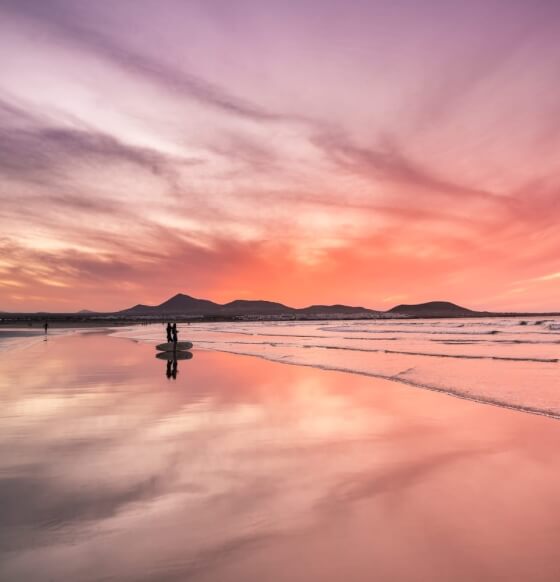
(302, 152)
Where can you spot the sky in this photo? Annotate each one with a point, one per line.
(313, 151)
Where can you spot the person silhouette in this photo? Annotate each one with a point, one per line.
(169, 333)
(171, 370)
(174, 333)
(46, 326)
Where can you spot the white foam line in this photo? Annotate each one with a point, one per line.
(396, 378)
(383, 351)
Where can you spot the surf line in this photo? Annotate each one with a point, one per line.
(458, 356)
(383, 351)
(399, 379)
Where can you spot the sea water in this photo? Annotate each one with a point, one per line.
(511, 362)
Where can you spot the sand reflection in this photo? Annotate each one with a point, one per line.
(242, 469)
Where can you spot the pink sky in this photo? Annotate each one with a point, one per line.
(318, 151)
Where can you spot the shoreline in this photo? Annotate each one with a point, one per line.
(9, 342)
(427, 376)
(402, 381)
(71, 320)
(16, 339)
(230, 440)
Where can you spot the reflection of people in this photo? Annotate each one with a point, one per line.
(171, 371)
(174, 332)
(169, 335)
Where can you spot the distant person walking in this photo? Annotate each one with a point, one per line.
(174, 333)
(169, 333)
(46, 326)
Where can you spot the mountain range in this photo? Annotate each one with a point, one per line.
(434, 309)
(186, 305)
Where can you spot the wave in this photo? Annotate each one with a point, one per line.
(411, 331)
(372, 339)
(250, 333)
(450, 391)
(385, 351)
(507, 366)
(486, 342)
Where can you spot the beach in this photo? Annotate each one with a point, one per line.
(279, 291)
(248, 469)
(508, 362)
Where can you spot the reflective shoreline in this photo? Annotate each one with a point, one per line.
(244, 469)
(507, 362)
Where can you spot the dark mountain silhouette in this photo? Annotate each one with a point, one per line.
(186, 302)
(244, 306)
(335, 309)
(179, 304)
(433, 309)
(186, 305)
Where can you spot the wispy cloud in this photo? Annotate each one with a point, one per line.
(389, 163)
(388, 150)
(42, 153)
(69, 29)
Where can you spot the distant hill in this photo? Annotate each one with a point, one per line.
(186, 305)
(243, 306)
(335, 309)
(179, 304)
(433, 309)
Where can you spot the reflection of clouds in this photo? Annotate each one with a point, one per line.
(424, 355)
(393, 480)
(121, 455)
(213, 558)
(140, 481)
(35, 502)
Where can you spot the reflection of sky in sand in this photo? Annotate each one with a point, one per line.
(512, 362)
(242, 469)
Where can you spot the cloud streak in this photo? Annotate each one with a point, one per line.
(65, 24)
(216, 151)
(41, 152)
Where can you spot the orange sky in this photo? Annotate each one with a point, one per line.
(303, 152)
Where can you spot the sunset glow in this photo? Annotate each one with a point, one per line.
(318, 151)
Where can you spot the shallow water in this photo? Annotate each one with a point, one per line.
(244, 469)
(18, 338)
(510, 362)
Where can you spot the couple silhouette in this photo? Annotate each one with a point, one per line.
(171, 371)
(172, 333)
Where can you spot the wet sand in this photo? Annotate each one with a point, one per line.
(247, 470)
(504, 362)
(10, 333)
